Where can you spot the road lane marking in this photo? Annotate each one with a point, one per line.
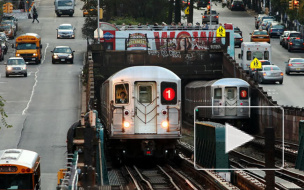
(36, 81)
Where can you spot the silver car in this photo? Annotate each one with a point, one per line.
(66, 31)
(16, 66)
(214, 17)
(294, 65)
(270, 73)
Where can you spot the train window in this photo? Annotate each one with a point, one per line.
(122, 93)
(145, 94)
(168, 93)
(243, 93)
(248, 55)
(230, 93)
(218, 93)
(266, 55)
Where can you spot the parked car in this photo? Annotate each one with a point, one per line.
(292, 35)
(214, 17)
(238, 40)
(276, 30)
(10, 17)
(270, 73)
(238, 30)
(1, 54)
(11, 22)
(258, 19)
(237, 5)
(253, 71)
(16, 66)
(3, 42)
(295, 44)
(202, 3)
(294, 65)
(8, 30)
(283, 37)
(66, 31)
(62, 54)
(259, 36)
(89, 12)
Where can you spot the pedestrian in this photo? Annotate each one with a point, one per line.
(35, 15)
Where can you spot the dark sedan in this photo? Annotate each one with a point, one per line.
(62, 54)
(276, 30)
(295, 44)
(238, 30)
(238, 40)
(238, 5)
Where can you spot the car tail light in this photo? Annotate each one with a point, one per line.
(289, 64)
(241, 39)
(241, 103)
(282, 74)
(216, 16)
(290, 43)
(297, 38)
(252, 69)
(271, 30)
(288, 38)
(204, 16)
(232, 5)
(264, 74)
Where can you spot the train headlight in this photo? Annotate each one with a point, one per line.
(165, 124)
(126, 124)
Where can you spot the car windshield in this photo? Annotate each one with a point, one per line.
(15, 62)
(267, 17)
(295, 35)
(26, 46)
(65, 3)
(5, 27)
(213, 12)
(278, 27)
(297, 60)
(65, 27)
(62, 50)
(271, 68)
(260, 33)
(265, 63)
(297, 40)
(237, 29)
(237, 35)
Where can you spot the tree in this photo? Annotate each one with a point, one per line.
(3, 114)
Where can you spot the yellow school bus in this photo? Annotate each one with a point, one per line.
(29, 47)
(19, 169)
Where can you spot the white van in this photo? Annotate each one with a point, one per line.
(251, 50)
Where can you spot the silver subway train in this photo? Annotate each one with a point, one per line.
(140, 109)
(227, 95)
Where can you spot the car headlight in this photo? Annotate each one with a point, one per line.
(55, 56)
(58, 35)
(9, 68)
(73, 35)
(17, 54)
(70, 56)
(34, 54)
(24, 67)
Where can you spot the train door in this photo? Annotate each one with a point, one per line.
(145, 106)
(231, 100)
(217, 102)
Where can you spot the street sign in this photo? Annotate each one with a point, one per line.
(187, 11)
(255, 64)
(220, 32)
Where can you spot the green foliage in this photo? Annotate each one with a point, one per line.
(89, 27)
(3, 114)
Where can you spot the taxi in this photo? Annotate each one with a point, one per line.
(260, 36)
(87, 12)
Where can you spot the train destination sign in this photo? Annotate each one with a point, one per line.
(169, 94)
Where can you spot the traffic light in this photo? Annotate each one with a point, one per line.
(296, 4)
(9, 8)
(5, 8)
(291, 5)
(208, 9)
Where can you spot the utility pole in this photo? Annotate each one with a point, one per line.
(210, 13)
(98, 7)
